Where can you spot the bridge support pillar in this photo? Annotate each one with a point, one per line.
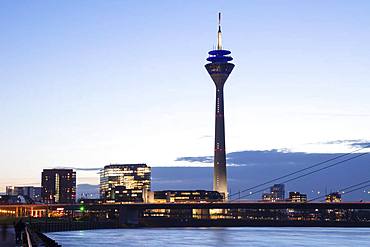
(128, 216)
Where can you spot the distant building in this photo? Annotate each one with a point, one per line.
(34, 193)
(333, 197)
(277, 193)
(15, 199)
(89, 201)
(88, 191)
(124, 182)
(58, 186)
(166, 196)
(267, 197)
(297, 197)
(10, 191)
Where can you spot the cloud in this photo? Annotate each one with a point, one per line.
(341, 141)
(356, 143)
(250, 158)
(360, 144)
(273, 157)
(79, 168)
(201, 159)
(88, 169)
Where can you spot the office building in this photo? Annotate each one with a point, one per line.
(297, 197)
(267, 197)
(333, 197)
(124, 182)
(219, 69)
(58, 186)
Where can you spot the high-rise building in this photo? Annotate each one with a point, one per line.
(219, 69)
(58, 186)
(278, 191)
(124, 182)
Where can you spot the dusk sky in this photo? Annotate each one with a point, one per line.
(89, 83)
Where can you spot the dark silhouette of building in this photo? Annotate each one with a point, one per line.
(165, 196)
(58, 186)
(90, 201)
(15, 199)
(124, 182)
(219, 69)
(34, 193)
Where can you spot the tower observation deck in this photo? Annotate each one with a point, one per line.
(219, 69)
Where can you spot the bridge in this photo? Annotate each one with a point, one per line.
(131, 214)
(19, 210)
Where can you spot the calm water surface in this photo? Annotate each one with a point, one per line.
(223, 237)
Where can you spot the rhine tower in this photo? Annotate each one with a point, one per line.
(219, 69)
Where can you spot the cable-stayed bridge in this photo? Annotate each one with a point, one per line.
(311, 169)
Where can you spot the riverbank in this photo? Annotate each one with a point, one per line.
(59, 225)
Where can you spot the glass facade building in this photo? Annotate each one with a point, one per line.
(124, 182)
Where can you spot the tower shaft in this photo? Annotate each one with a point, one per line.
(219, 73)
(219, 166)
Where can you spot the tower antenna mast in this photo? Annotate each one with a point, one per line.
(219, 34)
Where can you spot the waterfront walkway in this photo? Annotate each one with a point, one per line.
(7, 237)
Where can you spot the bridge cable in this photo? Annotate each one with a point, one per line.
(298, 171)
(306, 174)
(345, 190)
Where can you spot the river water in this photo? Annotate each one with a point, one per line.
(220, 237)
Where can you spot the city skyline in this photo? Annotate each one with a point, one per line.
(103, 86)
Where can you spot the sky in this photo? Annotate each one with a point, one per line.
(88, 83)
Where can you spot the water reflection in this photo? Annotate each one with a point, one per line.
(204, 237)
